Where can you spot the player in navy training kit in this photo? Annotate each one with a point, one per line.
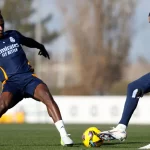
(19, 81)
(135, 91)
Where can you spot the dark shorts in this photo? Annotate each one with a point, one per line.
(22, 85)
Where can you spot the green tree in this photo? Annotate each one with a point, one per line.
(101, 32)
(18, 14)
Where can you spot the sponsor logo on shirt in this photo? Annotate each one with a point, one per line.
(7, 50)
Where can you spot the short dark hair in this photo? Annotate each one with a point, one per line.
(1, 17)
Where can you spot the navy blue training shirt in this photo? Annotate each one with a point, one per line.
(12, 57)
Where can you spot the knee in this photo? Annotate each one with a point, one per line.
(132, 85)
(134, 90)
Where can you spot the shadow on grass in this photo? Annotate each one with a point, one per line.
(123, 143)
(76, 145)
(49, 145)
(7, 145)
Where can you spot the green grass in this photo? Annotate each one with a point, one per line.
(45, 137)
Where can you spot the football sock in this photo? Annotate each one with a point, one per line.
(121, 127)
(136, 90)
(129, 107)
(61, 128)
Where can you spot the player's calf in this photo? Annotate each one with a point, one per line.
(43, 94)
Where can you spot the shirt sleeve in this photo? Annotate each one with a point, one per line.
(29, 42)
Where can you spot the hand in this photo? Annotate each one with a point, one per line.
(44, 52)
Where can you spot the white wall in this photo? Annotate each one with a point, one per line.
(85, 109)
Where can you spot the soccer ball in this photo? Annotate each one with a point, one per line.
(90, 137)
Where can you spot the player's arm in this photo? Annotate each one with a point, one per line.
(29, 42)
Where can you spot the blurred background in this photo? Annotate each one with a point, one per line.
(96, 46)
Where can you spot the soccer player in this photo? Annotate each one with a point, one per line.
(135, 91)
(19, 80)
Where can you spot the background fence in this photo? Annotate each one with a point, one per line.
(79, 110)
(97, 47)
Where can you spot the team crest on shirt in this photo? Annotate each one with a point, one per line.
(12, 39)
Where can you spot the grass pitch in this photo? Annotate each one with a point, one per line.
(45, 137)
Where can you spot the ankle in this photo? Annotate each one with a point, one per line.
(121, 127)
(61, 128)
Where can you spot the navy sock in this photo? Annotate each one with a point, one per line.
(135, 90)
(129, 107)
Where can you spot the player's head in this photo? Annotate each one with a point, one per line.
(1, 25)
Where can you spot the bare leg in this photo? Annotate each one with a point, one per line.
(5, 100)
(42, 94)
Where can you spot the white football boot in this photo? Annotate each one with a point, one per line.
(145, 147)
(114, 134)
(66, 141)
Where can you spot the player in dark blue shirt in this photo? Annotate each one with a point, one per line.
(18, 78)
(136, 90)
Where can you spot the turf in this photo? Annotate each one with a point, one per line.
(45, 137)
